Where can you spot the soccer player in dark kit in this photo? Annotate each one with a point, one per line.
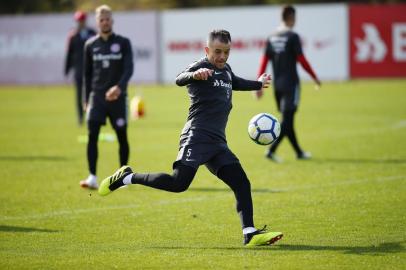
(108, 66)
(284, 49)
(74, 57)
(209, 82)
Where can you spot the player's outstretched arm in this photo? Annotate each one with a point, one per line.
(189, 76)
(241, 84)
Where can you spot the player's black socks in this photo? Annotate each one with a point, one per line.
(92, 151)
(234, 176)
(124, 148)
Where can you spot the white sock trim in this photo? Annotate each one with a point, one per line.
(249, 230)
(127, 179)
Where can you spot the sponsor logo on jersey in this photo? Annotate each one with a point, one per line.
(227, 85)
(102, 57)
(221, 83)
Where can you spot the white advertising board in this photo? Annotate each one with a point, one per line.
(323, 30)
(32, 48)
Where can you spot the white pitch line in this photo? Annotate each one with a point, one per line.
(71, 212)
(400, 124)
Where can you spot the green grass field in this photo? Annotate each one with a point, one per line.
(345, 209)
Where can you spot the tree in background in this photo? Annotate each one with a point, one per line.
(48, 6)
(36, 6)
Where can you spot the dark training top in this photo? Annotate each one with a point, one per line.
(74, 55)
(283, 47)
(107, 63)
(210, 102)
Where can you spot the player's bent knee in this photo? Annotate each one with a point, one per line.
(182, 178)
(180, 188)
(182, 182)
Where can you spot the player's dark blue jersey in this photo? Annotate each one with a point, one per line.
(74, 55)
(107, 63)
(283, 48)
(210, 102)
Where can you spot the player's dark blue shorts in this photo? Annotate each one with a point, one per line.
(214, 156)
(287, 100)
(99, 109)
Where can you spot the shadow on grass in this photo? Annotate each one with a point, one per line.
(254, 190)
(5, 228)
(391, 247)
(375, 250)
(358, 160)
(32, 158)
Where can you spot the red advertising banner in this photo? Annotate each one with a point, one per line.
(377, 40)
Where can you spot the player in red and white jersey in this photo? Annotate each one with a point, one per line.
(284, 50)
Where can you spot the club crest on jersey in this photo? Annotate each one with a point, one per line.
(115, 47)
(120, 122)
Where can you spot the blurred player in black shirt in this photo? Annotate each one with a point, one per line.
(74, 57)
(209, 82)
(108, 66)
(284, 49)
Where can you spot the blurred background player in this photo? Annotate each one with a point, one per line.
(284, 49)
(209, 82)
(74, 57)
(108, 66)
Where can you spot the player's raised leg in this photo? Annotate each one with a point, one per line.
(179, 181)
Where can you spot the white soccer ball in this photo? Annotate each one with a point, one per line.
(264, 128)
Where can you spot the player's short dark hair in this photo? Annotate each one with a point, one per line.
(220, 34)
(287, 12)
(103, 9)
